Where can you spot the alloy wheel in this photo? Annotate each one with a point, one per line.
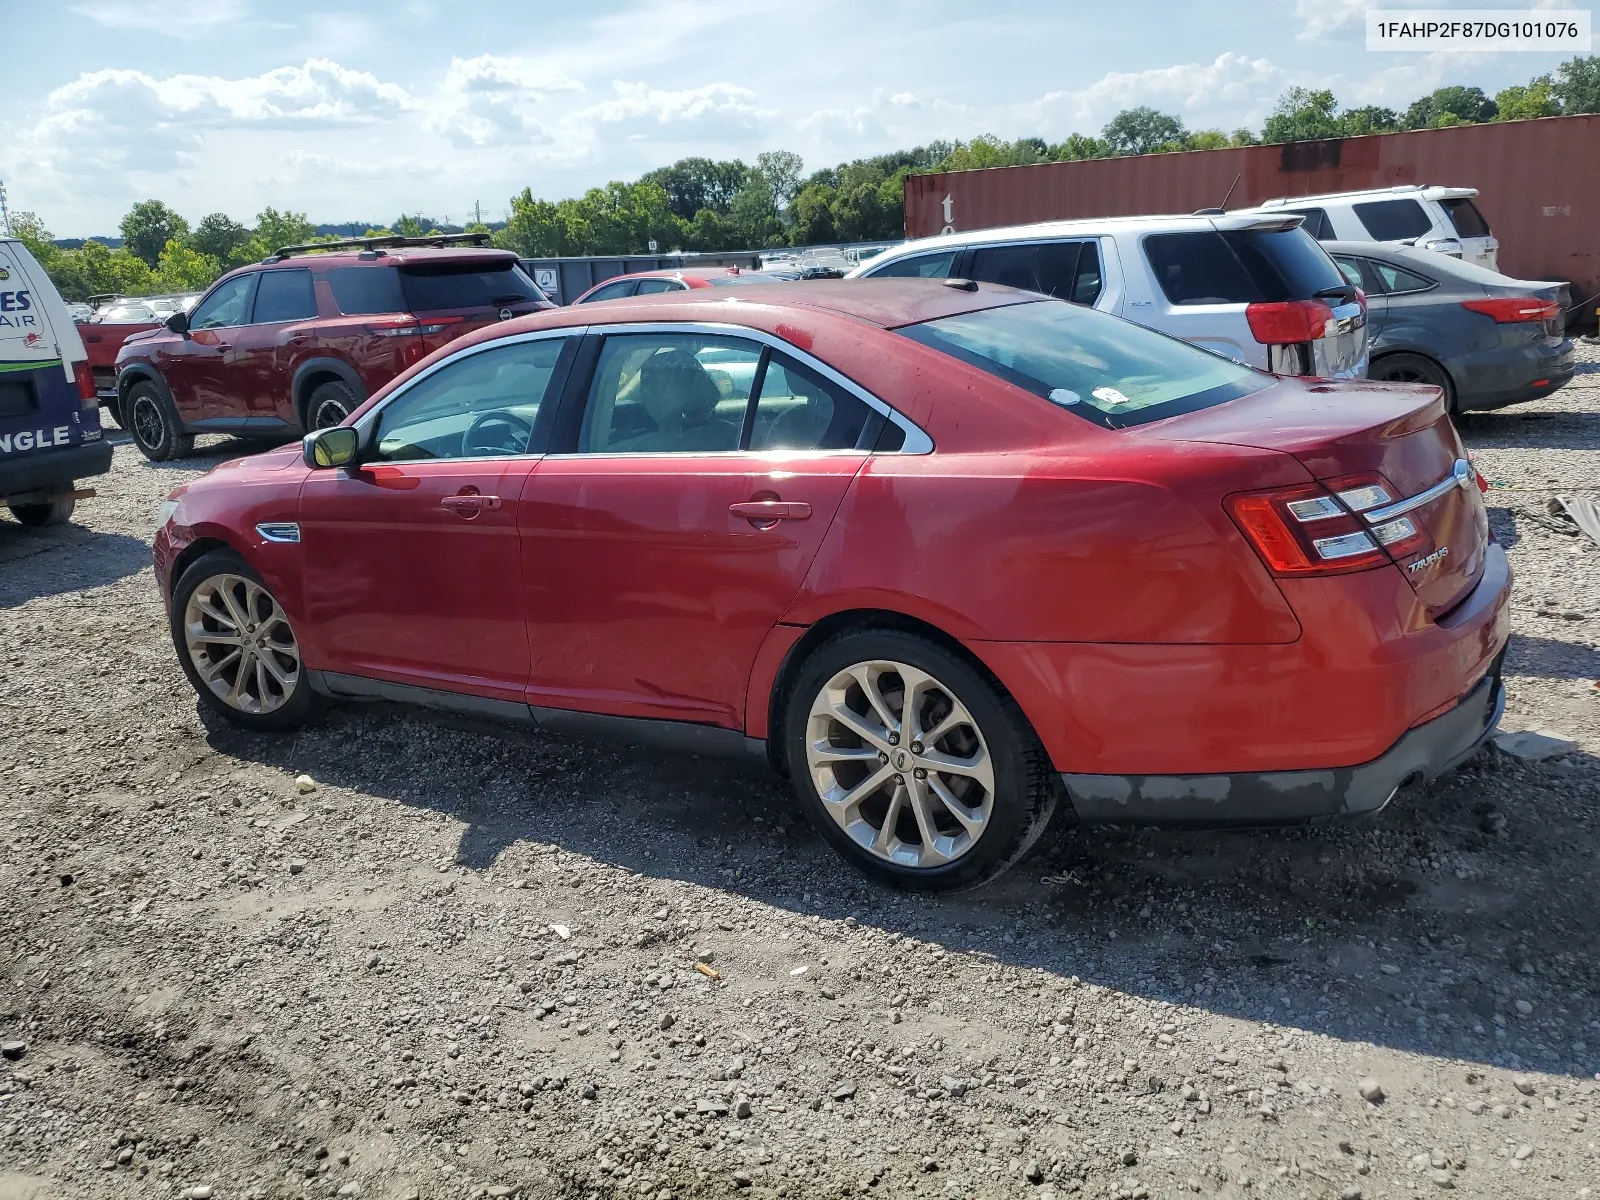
(329, 413)
(146, 420)
(241, 644)
(900, 764)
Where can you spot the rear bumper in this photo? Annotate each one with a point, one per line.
(1284, 797)
(53, 470)
(1510, 377)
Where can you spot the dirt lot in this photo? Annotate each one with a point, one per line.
(465, 963)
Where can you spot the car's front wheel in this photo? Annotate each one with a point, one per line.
(237, 645)
(913, 763)
(154, 424)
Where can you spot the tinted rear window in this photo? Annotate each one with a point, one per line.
(465, 285)
(923, 266)
(1464, 215)
(1102, 368)
(1316, 223)
(361, 290)
(1240, 266)
(284, 295)
(1394, 220)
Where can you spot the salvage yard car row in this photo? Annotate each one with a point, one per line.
(881, 533)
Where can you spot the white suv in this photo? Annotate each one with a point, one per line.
(1442, 219)
(1255, 288)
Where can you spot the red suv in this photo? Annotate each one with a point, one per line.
(298, 341)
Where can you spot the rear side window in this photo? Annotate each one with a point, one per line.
(17, 397)
(465, 285)
(1240, 266)
(362, 290)
(1104, 369)
(1316, 223)
(650, 287)
(1464, 215)
(1394, 220)
(613, 291)
(923, 266)
(284, 296)
(1397, 280)
(1065, 270)
(800, 410)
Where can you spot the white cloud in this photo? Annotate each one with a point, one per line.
(490, 101)
(1227, 89)
(723, 105)
(188, 20)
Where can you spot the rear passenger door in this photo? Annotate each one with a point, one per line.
(266, 350)
(1067, 270)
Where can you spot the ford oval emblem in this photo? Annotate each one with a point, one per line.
(505, 314)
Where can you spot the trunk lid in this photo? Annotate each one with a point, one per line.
(1399, 431)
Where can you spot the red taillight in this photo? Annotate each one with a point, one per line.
(84, 378)
(1313, 530)
(1288, 322)
(1508, 309)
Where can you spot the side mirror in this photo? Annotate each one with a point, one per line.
(335, 447)
(178, 322)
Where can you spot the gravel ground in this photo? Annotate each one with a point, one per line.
(471, 961)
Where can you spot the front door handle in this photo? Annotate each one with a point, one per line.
(469, 504)
(769, 512)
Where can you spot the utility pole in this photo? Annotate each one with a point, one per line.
(5, 213)
(477, 212)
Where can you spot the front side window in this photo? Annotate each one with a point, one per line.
(284, 295)
(798, 409)
(651, 287)
(481, 406)
(1065, 270)
(227, 305)
(667, 393)
(613, 291)
(1104, 369)
(1394, 220)
(923, 266)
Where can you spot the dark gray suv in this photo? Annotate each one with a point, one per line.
(1488, 340)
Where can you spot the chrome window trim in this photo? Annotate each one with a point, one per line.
(1461, 476)
(916, 440)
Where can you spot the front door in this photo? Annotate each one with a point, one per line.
(671, 534)
(412, 563)
(197, 367)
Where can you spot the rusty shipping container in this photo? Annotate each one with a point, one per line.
(1538, 184)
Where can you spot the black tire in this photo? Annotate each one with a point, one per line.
(290, 706)
(1025, 788)
(154, 424)
(55, 511)
(1414, 368)
(329, 404)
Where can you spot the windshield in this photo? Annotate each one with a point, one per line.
(1100, 367)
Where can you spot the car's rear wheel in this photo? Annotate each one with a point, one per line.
(329, 404)
(913, 763)
(237, 645)
(55, 511)
(1414, 368)
(154, 424)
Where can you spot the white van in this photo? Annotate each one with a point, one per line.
(1442, 219)
(50, 433)
(1255, 288)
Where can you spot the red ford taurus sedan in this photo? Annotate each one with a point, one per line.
(943, 553)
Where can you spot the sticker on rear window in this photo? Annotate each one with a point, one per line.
(1065, 396)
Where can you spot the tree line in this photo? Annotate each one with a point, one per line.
(704, 204)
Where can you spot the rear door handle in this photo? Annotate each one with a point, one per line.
(469, 505)
(769, 511)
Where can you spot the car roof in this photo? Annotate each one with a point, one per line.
(1428, 191)
(390, 258)
(1085, 227)
(1431, 262)
(680, 273)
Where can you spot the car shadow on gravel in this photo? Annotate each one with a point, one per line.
(1506, 429)
(63, 558)
(1551, 658)
(1422, 928)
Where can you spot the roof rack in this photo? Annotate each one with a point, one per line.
(379, 244)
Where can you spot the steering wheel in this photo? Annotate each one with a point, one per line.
(496, 432)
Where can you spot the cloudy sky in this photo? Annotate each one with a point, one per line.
(361, 112)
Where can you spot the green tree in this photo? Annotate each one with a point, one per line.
(1522, 103)
(1371, 119)
(695, 183)
(781, 169)
(1142, 130)
(275, 230)
(812, 215)
(407, 225)
(181, 268)
(96, 270)
(1577, 85)
(148, 227)
(1454, 105)
(1243, 137)
(220, 237)
(755, 212)
(1206, 139)
(1302, 114)
(1078, 146)
(30, 231)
